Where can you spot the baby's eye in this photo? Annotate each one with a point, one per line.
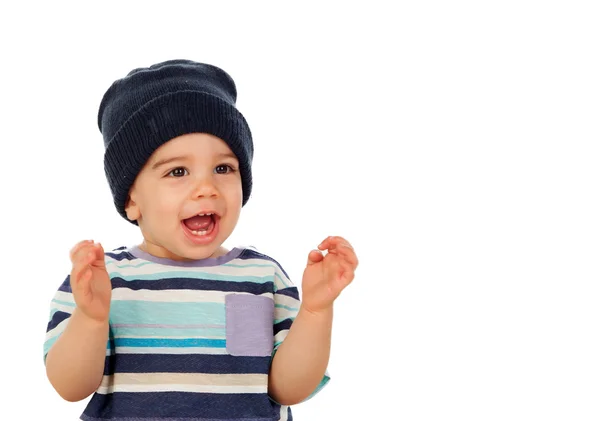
(223, 169)
(178, 172)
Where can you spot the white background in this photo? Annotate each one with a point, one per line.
(455, 144)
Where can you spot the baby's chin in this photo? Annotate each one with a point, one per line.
(200, 253)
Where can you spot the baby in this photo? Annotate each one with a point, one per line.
(179, 327)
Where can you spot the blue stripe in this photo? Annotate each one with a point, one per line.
(181, 405)
(189, 363)
(294, 309)
(157, 312)
(169, 343)
(144, 263)
(48, 344)
(320, 386)
(285, 282)
(64, 303)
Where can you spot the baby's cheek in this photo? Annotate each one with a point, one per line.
(166, 206)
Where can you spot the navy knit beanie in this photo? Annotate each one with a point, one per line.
(153, 105)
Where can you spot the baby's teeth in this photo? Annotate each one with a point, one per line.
(203, 232)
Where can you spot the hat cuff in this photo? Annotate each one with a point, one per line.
(164, 118)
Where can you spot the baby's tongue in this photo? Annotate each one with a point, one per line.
(198, 223)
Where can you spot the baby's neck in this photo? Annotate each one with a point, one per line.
(221, 251)
(157, 252)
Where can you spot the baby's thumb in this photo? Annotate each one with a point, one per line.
(315, 256)
(99, 261)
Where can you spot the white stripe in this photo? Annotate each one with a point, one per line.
(283, 413)
(171, 337)
(286, 300)
(173, 295)
(57, 330)
(64, 296)
(281, 335)
(279, 284)
(62, 307)
(171, 350)
(283, 313)
(198, 388)
(266, 268)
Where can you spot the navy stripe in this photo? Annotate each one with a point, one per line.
(290, 292)
(252, 254)
(120, 256)
(194, 284)
(57, 317)
(177, 405)
(284, 324)
(66, 285)
(188, 363)
(87, 418)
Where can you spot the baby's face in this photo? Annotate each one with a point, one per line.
(190, 175)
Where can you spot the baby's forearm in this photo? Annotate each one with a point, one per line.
(75, 363)
(301, 360)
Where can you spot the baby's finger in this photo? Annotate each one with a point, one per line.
(78, 247)
(339, 240)
(329, 242)
(315, 256)
(342, 242)
(348, 254)
(332, 243)
(82, 261)
(347, 274)
(83, 254)
(84, 257)
(98, 252)
(324, 244)
(78, 275)
(84, 275)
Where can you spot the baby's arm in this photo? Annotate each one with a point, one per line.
(75, 362)
(301, 360)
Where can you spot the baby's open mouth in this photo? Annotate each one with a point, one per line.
(201, 224)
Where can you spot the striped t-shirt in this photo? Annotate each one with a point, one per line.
(188, 340)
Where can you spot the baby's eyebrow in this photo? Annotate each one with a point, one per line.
(227, 155)
(165, 161)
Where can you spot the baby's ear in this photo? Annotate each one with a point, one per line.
(132, 210)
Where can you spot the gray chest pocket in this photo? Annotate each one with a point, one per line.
(249, 325)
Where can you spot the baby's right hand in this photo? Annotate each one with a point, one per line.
(90, 282)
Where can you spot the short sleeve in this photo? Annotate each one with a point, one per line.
(287, 305)
(61, 309)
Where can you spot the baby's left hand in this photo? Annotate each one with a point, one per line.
(326, 276)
